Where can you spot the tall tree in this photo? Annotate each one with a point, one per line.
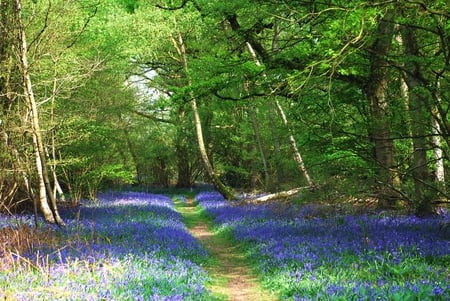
(297, 156)
(49, 211)
(9, 185)
(420, 121)
(376, 90)
(179, 44)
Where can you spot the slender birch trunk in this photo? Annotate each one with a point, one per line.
(49, 211)
(57, 189)
(255, 125)
(43, 200)
(297, 156)
(218, 184)
(437, 135)
(438, 154)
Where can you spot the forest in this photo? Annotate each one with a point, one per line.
(342, 103)
(350, 97)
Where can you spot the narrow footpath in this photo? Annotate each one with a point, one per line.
(232, 277)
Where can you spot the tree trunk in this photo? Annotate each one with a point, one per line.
(43, 200)
(278, 195)
(438, 154)
(254, 120)
(45, 192)
(57, 189)
(222, 188)
(297, 156)
(420, 122)
(437, 145)
(185, 177)
(376, 90)
(218, 184)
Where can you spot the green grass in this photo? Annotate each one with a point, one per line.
(194, 215)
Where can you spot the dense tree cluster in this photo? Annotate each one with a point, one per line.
(267, 95)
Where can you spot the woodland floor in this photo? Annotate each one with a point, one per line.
(232, 276)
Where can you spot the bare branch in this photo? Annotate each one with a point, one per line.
(89, 18)
(152, 117)
(278, 195)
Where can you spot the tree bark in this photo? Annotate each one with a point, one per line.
(420, 122)
(222, 188)
(438, 154)
(218, 184)
(254, 120)
(43, 200)
(278, 195)
(185, 177)
(49, 211)
(376, 90)
(57, 189)
(437, 143)
(297, 156)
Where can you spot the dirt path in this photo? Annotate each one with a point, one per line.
(232, 276)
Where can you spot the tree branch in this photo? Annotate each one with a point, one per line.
(153, 117)
(428, 9)
(83, 29)
(236, 27)
(278, 195)
(216, 93)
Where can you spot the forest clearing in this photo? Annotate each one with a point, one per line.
(138, 246)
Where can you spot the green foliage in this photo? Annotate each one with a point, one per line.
(130, 6)
(94, 153)
(314, 58)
